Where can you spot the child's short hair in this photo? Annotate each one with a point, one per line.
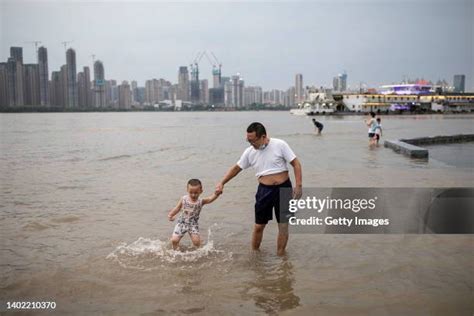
(378, 119)
(195, 182)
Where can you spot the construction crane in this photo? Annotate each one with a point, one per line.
(36, 44)
(93, 59)
(217, 61)
(65, 43)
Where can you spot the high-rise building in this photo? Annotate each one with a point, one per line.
(299, 97)
(111, 93)
(216, 96)
(99, 84)
(343, 82)
(124, 96)
(252, 95)
(55, 88)
(459, 83)
(216, 77)
(4, 98)
(15, 76)
(81, 90)
(43, 75)
(335, 84)
(183, 84)
(84, 88)
(88, 90)
(63, 87)
(237, 90)
(31, 85)
(17, 53)
(290, 97)
(72, 97)
(157, 90)
(204, 93)
(134, 87)
(195, 84)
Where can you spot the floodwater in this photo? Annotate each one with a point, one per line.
(83, 217)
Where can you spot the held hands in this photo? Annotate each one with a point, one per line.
(219, 188)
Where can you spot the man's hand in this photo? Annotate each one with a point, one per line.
(297, 192)
(219, 188)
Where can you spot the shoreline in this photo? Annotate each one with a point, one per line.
(231, 110)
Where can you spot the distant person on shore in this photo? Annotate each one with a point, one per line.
(371, 124)
(269, 156)
(318, 126)
(378, 131)
(191, 206)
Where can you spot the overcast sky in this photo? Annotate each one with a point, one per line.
(375, 42)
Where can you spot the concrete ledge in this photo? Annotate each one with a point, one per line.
(407, 149)
(410, 147)
(461, 138)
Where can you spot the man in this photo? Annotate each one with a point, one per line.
(319, 126)
(269, 156)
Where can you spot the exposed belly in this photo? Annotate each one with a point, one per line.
(274, 179)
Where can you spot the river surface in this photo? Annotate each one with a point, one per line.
(83, 217)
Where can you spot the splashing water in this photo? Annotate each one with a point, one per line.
(149, 254)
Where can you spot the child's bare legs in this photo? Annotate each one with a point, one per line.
(196, 239)
(175, 240)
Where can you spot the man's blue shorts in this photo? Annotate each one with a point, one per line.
(268, 197)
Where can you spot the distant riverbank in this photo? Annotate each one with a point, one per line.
(41, 109)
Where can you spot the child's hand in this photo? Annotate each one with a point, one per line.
(171, 217)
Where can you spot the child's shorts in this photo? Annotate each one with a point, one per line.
(182, 228)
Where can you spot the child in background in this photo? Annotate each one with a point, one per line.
(371, 124)
(378, 131)
(191, 206)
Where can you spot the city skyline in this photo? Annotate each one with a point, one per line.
(155, 45)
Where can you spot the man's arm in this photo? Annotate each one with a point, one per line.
(232, 172)
(297, 192)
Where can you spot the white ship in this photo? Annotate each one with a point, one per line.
(317, 103)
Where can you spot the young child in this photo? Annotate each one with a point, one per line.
(371, 124)
(378, 131)
(191, 206)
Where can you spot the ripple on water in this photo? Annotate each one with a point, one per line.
(150, 254)
(66, 219)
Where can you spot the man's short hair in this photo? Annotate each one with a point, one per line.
(195, 182)
(372, 114)
(258, 128)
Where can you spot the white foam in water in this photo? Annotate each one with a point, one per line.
(149, 254)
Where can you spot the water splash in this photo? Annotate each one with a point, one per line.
(150, 254)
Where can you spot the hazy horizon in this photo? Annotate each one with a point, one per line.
(375, 42)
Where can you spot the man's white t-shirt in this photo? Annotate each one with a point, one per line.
(273, 159)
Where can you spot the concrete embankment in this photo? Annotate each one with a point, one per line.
(411, 147)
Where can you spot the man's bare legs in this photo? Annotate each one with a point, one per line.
(257, 236)
(282, 240)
